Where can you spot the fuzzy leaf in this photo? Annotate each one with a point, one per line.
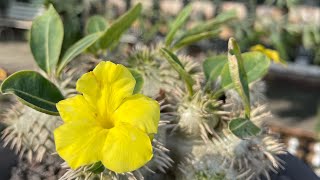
(195, 38)
(177, 65)
(114, 32)
(77, 49)
(177, 23)
(243, 128)
(139, 81)
(33, 90)
(256, 66)
(46, 39)
(238, 74)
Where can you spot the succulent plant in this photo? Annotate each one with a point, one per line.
(233, 158)
(257, 96)
(29, 132)
(156, 71)
(196, 116)
(229, 157)
(205, 131)
(50, 169)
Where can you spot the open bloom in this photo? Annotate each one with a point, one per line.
(107, 122)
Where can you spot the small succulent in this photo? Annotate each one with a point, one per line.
(230, 157)
(49, 168)
(234, 158)
(156, 71)
(29, 132)
(197, 116)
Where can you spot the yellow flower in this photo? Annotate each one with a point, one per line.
(270, 53)
(107, 122)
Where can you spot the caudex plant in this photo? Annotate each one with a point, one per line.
(164, 113)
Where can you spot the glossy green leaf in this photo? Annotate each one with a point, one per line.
(195, 38)
(243, 128)
(33, 90)
(96, 24)
(77, 49)
(238, 74)
(114, 32)
(139, 81)
(177, 23)
(46, 39)
(177, 65)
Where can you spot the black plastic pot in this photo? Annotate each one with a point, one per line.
(295, 169)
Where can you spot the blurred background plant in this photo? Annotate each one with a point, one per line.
(176, 52)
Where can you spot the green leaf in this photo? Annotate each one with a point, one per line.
(213, 67)
(114, 32)
(177, 65)
(243, 128)
(177, 23)
(77, 49)
(96, 24)
(195, 38)
(33, 90)
(238, 74)
(72, 32)
(46, 39)
(139, 81)
(256, 65)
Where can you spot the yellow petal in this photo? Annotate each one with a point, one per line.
(126, 149)
(106, 87)
(80, 143)
(257, 47)
(75, 108)
(272, 54)
(90, 87)
(139, 111)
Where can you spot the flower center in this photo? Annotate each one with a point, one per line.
(106, 122)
